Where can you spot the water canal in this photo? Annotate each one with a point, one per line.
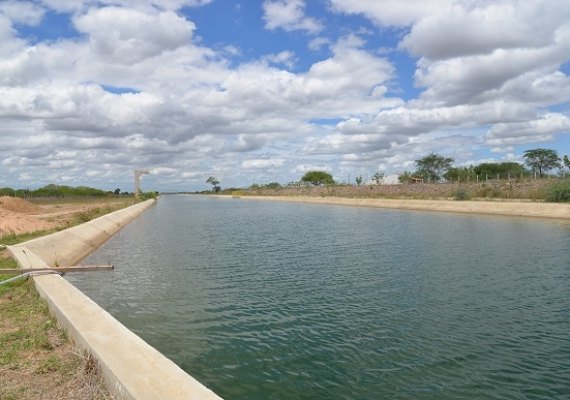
(269, 300)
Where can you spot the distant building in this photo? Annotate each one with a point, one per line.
(390, 180)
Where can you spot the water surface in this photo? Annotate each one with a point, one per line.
(268, 300)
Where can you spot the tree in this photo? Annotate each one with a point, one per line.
(215, 184)
(117, 192)
(464, 174)
(503, 169)
(541, 160)
(433, 166)
(317, 178)
(377, 177)
(406, 177)
(566, 162)
(359, 180)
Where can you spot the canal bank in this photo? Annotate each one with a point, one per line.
(520, 209)
(132, 369)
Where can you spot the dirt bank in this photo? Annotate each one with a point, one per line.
(21, 216)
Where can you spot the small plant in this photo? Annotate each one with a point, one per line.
(559, 192)
(461, 194)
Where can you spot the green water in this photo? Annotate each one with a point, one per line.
(264, 300)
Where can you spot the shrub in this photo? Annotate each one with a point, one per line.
(461, 194)
(559, 192)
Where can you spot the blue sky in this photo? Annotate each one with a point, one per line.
(260, 91)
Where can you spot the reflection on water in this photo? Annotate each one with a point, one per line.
(263, 300)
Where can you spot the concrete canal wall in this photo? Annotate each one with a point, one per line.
(132, 369)
(513, 208)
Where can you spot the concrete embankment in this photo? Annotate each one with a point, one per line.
(524, 209)
(132, 369)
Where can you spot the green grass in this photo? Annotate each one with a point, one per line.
(559, 192)
(12, 239)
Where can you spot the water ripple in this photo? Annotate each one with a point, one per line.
(287, 301)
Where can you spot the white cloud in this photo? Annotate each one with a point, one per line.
(533, 131)
(289, 15)
(130, 36)
(199, 111)
(22, 12)
(74, 6)
(391, 12)
(463, 30)
(285, 57)
(318, 42)
(262, 163)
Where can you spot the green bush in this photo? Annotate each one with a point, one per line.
(559, 192)
(461, 194)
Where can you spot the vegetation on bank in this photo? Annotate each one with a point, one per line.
(37, 359)
(55, 191)
(505, 180)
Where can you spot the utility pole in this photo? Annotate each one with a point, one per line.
(138, 173)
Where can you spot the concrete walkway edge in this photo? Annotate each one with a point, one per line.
(511, 208)
(132, 369)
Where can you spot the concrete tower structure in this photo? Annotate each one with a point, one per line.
(138, 173)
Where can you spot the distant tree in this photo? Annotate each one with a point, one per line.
(215, 184)
(503, 169)
(433, 166)
(542, 160)
(378, 177)
(318, 178)
(117, 192)
(272, 185)
(406, 177)
(294, 184)
(359, 180)
(460, 174)
(566, 161)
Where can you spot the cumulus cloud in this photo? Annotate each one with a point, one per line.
(130, 36)
(74, 6)
(262, 163)
(537, 130)
(289, 15)
(137, 88)
(391, 12)
(22, 12)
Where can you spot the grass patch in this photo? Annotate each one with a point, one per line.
(37, 359)
(13, 239)
(559, 192)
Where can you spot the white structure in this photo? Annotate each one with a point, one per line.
(390, 180)
(138, 173)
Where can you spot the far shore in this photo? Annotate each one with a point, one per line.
(509, 208)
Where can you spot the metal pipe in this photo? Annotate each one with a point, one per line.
(26, 275)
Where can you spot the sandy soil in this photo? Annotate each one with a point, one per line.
(20, 216)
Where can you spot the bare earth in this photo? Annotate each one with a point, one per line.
(20, 216)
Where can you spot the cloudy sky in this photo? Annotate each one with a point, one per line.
(253, 91)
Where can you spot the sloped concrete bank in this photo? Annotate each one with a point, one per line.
(522, 209)
(132, 369)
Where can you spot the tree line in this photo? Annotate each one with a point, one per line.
(57, 191)
(435, 167)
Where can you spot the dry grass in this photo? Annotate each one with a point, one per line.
(509, 190)
(37, 359)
